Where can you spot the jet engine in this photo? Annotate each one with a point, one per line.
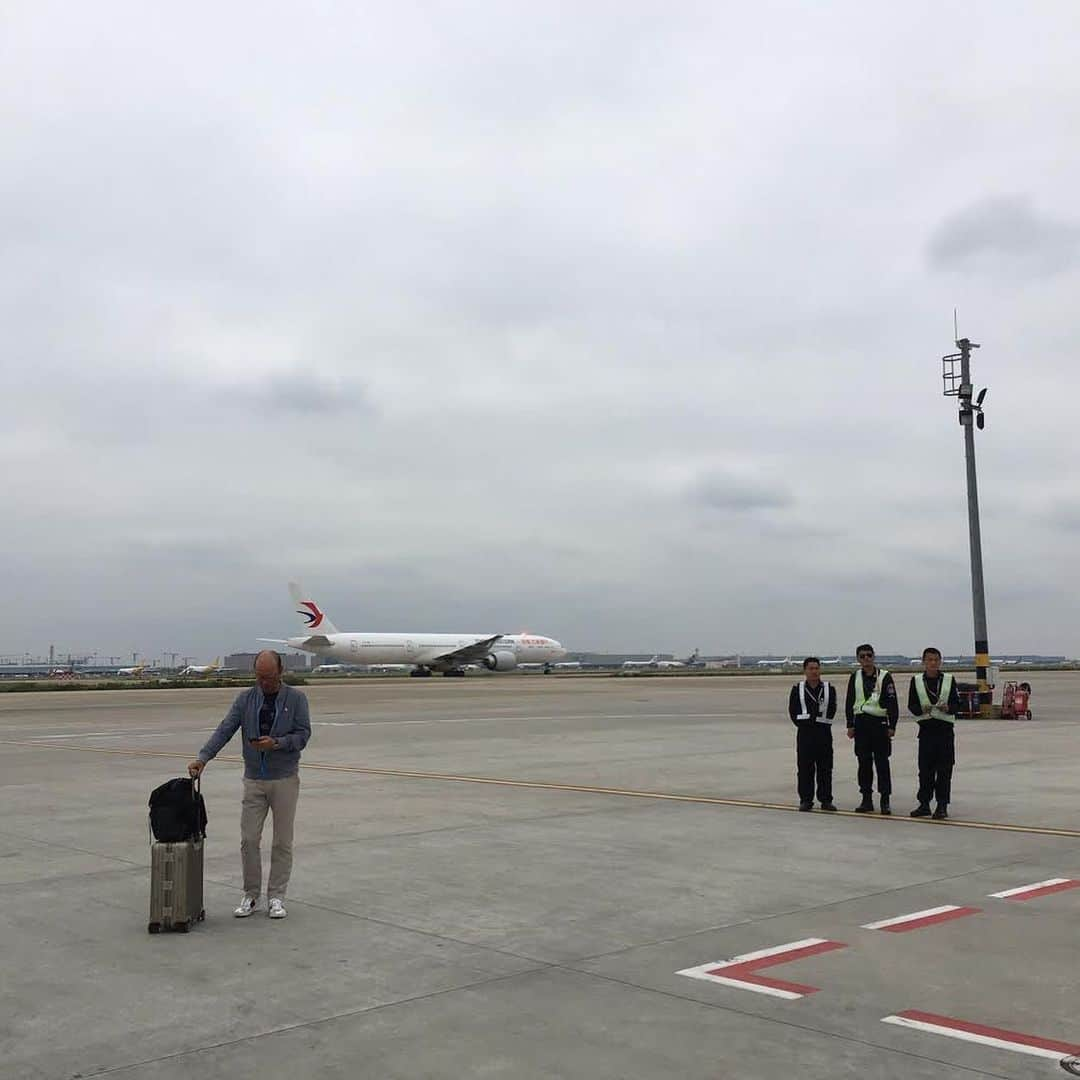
(500, 661)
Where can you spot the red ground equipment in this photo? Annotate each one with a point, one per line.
(969, 700)
(1016, 701)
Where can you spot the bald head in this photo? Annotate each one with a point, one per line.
(268, 668)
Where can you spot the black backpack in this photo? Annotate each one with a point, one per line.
(177, 811)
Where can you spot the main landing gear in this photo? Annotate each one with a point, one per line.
(420, 673)
(454, 672)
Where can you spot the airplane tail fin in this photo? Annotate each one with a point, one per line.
(311, 614)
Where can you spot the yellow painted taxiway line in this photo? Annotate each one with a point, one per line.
(582, 789)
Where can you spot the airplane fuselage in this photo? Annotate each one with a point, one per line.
(422, 649)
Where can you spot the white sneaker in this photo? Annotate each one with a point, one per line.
(246, 908)
(277, 909)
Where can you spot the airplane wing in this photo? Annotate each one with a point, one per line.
(469, 654)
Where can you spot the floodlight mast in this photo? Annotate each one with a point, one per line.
(958, 384)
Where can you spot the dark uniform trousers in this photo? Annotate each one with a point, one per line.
(937, 755)
(814, 754)
(872, 748)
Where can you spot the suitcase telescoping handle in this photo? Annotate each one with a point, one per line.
(196, 792)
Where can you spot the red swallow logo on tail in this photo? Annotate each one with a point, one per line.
(313, 616)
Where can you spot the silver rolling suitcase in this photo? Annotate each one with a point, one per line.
(176, 874)
(176, 886)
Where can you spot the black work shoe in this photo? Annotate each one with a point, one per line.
(940, 814)
(866, 806)
(806, 806)
(830, 806)
(885, 808)
(922, 810)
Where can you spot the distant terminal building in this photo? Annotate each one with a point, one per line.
(245, 661)
(604, 660)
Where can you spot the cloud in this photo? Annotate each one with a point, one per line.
(1005, 235)
(623, 329)
(308, 393)
(735, 495)
(1066, 517)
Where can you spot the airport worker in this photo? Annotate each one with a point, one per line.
(872, 714)
(934, 700)
(275, 724)
(812, 707)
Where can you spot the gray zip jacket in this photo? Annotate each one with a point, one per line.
(291, 729)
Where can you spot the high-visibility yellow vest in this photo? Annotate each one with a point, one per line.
(870, 706)
(930, 708)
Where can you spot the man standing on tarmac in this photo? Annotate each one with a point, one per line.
(812, 706)
(872, 714)
(934, 699)
(276, 727)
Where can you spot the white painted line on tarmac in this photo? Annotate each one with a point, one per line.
(120, 735)
(707, 974)
(427, 720)
(529, 719)
(87, 735)
(1039, 888)
(740, 972)
(999, 1038)
(918, 919)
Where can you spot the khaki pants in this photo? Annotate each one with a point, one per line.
(279, 797)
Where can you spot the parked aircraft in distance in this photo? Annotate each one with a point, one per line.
(202, 669)
(424, 652)
(653, 661)
(568, 665)
(132, 672)
(693, 660)
(775, 663)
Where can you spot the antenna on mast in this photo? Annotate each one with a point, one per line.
(955, 326)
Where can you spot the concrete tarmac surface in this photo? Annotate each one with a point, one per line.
(634, 897)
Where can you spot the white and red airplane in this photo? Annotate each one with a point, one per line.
(425, 652)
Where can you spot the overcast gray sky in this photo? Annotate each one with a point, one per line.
(618, 322)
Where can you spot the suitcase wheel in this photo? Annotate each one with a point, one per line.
(202, 915)
(154, 928)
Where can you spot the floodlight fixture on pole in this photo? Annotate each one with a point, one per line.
(956, 376)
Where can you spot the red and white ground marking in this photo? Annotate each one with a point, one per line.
(1040, 888)
(1000, 1038)
(740, 972)
(918, 919)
